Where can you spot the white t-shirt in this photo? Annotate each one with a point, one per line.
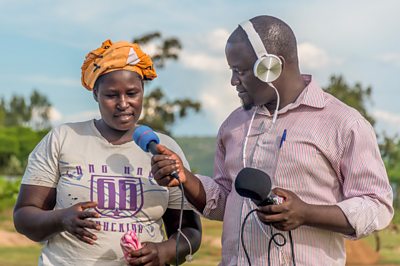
(83, 166)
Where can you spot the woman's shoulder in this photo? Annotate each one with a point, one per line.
(74, 127)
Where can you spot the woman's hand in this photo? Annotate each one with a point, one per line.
(150, 254)
(74, 220)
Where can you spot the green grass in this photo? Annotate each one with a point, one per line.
(18, 256)
(390, 246)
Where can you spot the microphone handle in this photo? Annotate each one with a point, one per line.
(153, 149)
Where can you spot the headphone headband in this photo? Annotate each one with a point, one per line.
(254, 38)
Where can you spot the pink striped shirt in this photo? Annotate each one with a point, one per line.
(330, 157)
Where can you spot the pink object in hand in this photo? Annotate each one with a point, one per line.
(129, 242)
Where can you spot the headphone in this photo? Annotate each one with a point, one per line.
(268, 67)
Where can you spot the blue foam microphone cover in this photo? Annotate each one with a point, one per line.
(144, 136)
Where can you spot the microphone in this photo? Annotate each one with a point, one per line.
(147, 140)
(255, 184)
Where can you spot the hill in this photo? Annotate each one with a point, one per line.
(199, 151)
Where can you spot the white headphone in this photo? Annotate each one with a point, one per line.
(268, 67)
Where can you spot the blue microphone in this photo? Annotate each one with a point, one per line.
(147, 140)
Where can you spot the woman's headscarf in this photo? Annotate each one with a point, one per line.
(116, 56)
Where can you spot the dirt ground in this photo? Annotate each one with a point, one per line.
(12, 239)
(359, 253)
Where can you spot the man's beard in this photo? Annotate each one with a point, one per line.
(247, 106)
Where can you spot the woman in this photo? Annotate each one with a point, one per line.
(88, 183)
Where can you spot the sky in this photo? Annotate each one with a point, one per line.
(43, 45)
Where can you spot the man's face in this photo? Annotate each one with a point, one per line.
(251, 90)
(120, 95)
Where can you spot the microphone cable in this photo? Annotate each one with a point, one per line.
(188, 257)
(273, 236)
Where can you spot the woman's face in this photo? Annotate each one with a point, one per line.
(120, 96)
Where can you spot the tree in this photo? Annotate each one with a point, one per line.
(159, 112)
(40, 111)
(20, 112)
(355, 96)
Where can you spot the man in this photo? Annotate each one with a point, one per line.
(321, 155)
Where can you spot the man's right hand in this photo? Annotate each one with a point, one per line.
(163, 164)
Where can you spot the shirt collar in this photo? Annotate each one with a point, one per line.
(312, 95)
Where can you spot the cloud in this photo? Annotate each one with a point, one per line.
(53, 81)
(391, 58)
(217, 38)
(54, 115)
(206, 53)
(203, 62)
(56, 118)
(219, 99)
(312, 57)
(388, 117)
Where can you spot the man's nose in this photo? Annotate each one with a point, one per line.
(235, 79)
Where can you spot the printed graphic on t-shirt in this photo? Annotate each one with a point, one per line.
(117, 196)
(120, 197)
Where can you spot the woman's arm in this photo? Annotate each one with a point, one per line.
(34, 215)
(165, 252)
(191, 227)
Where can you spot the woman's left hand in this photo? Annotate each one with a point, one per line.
(150, 254)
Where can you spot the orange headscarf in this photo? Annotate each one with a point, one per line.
(116, 56)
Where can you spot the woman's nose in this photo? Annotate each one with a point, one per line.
(122, 102)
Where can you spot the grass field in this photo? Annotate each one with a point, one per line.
(209, 253)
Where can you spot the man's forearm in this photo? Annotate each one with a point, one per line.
(194, 191)
(328, 217)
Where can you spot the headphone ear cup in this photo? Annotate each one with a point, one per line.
(268, 68)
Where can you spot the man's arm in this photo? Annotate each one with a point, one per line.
(294, 212)
(166, 163)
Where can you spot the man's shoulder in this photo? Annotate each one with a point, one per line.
(339, 112)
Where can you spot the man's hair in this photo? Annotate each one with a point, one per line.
(277, 37)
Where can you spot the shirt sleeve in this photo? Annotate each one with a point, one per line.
(368, 195)
(42, 168)
(218, 188)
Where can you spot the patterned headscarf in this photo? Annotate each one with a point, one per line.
(116, 56)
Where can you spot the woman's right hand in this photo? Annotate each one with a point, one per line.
(75, 221)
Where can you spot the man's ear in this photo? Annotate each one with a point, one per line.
(95, 94)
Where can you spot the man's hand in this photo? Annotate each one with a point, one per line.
(285, 216)
(163, 164)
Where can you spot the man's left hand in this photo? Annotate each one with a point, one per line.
(285, 216)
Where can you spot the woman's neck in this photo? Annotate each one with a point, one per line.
(113, 136)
